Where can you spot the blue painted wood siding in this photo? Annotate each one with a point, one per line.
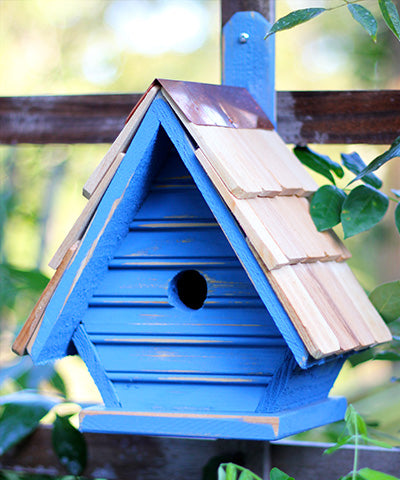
(159, 356)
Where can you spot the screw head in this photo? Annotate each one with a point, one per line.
(243, 37)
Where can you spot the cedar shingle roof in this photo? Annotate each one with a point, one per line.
(266, 188)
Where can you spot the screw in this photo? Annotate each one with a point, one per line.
(243, 37)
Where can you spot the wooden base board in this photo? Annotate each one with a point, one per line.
(246, 426)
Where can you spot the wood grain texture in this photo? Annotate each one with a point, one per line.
(369, 117)
(115, 457)
(338, 321)
(305, 460)
(350, 313)
(121, 143)
(31, 325)
(82, 222)
(64, 118)
(156, 458)
(260, 238)
(230, 7)
(371, 317)
(240, 172)
(306, 316)
(253, 162)
(280, 228)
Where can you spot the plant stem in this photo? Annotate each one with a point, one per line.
(347, 2)
(355, 462)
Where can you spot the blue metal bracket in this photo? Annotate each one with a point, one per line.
(248, 60)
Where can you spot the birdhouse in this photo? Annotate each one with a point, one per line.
(195, 286)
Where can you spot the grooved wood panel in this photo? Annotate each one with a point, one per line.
(153, 281)
(197, 359)
(222, 393)
(370, 117)
(222, 348)
(245, 321)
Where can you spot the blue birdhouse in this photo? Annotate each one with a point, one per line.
(195, 286)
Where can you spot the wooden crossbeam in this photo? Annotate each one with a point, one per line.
(370, 117)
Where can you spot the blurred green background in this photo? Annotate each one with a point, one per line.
(98, 46)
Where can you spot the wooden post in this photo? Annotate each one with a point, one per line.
(230, 7)
(247, 59)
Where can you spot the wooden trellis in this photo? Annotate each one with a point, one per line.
(334, 117)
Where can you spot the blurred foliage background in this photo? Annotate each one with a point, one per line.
(99, 46)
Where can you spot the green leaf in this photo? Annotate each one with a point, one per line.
(396, 192)
(277, 474)
(231, 472)
(391, 16)
(16, 369)
(339, 444)
(321, 164)
(377, 443)
(246, 475)
(355, 424)
(369, 474)
(391, 356)
(392, 152)
(57, 382)
(69, 445)
(386, 299)
(397, 217)
(361, 357)
(27, 397)
(326, 206)
(354, 163)
(365, 18)
(21, 415)
(294, 18)
(221, 472)
(363, 208)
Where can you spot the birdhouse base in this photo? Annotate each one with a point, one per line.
(249, 426)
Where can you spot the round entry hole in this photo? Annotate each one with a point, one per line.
(188, 289)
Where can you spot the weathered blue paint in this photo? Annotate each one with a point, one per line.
(238, 354)
(251, 63)
(157, 320)
(292, 387)
(67, 305)
(249, 427)
(181, 371)
(232, 231)
(89, 355)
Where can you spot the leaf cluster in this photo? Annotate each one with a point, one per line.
(22, 411)
(357, 209)
(355, 433)
(358, 12)
(231, 471)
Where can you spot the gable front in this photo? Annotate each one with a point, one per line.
(110, 224)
